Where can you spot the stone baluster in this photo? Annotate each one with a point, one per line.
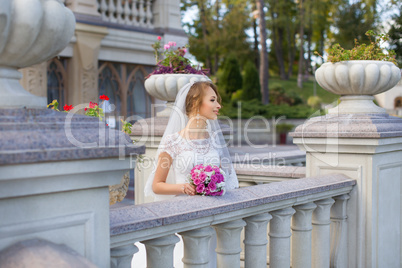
(339, 232)
(141, 13)
(321, 233)
(301, 235)
(127, 13)
(119, 12)
(197, 256)
(121, 257)
(149, 14)
(255, 241)
(160, 251)
(103, 9)
(228, 243)
(134, 12)
(279, 234)
(111, 9)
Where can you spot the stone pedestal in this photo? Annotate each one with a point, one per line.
(367, 148)
(55, 170)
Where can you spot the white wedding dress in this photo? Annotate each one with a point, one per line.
(186, 154)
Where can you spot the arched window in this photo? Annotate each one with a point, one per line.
(57, 81)
(138, 100)
(398, 103)
(124, 85)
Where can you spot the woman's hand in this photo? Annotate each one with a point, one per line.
(188, 189)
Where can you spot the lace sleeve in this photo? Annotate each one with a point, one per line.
(169, 145)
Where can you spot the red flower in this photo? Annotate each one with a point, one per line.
(104, 97)
(159, 38)
(68, 107)
(92, 104)
(85, 109)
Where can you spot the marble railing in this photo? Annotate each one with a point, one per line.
(127, 12)
(307, 226)
(252, 174)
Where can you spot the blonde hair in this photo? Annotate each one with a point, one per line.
(196, 94)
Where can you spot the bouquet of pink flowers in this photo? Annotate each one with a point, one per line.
(209, 180)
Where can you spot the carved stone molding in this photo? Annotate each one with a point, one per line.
(119, 191)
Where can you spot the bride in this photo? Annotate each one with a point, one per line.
(193, 136)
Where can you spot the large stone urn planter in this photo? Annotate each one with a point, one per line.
(357, 82)
(32, 31)
(166, 86)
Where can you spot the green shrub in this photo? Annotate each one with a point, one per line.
(284, 128)
(278, 95)
(251, 82)
(314, 102)
(237, 96)
(255, 107)
(231, 79)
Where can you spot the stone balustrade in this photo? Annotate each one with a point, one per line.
(252, 174)
(300, 213)
(127, 12)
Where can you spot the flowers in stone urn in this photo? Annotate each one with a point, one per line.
(372, 51)
(173, 59)
(358, 74)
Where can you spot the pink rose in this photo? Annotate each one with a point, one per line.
(197, 181)
(207, 191)
(202, 179)
(208, 168)
(166, 47)
(220, 178)
(159, 38)
(200, 188)
(214, 179)
(202, 176)
(212, 186)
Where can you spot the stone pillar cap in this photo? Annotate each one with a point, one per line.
(368, 126)
(43, 135)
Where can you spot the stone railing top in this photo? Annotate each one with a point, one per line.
(180, 209)
(350, 126)
(42, 135)
(270, 171)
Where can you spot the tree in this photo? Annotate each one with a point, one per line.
(263, 53)
(231, 79)
(219, 30)
(353, 20)
(395, 35)
(251, 83)
(301, 52)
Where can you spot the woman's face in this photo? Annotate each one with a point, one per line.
(209, 106)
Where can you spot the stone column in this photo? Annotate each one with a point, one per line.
(83, 68)
(279, 234)
(301, 235)
(255, 241)
(367, 148)
(197, 256)
(321, 233)
(160, 251)
(228, 243)
(339, 232)
(121, 257)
